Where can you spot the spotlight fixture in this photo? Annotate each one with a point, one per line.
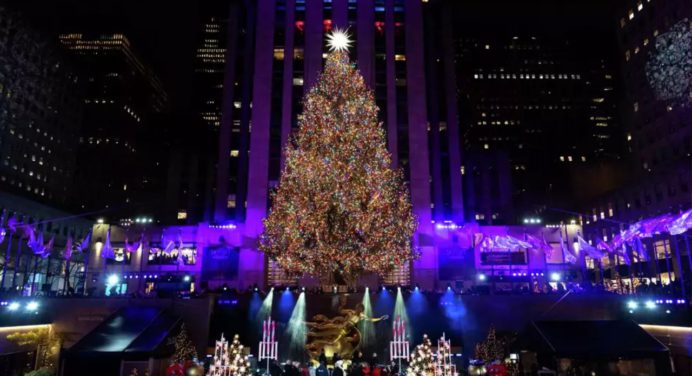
(650, 304)
(555, 276)
(632, 305)
(481, 277)
(32, 306)
(186, 278)
(113, 279)
(13, 306)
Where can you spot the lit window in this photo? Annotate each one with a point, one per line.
(630, 15)
(182, 214)
(569, 158)
(398, 57)
(234, 153)
(562, 158)
(486, 146)
(640, 6)
(636, 106)
(298, 81)
(278, 54)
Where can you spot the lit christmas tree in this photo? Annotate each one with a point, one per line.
(229, 361)
(339, 206)
(443, 362)
(184, 349)
(491, 349)
(422, 362)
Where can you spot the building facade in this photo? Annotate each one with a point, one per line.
(122, 105)
(657, 115)
(40, 114)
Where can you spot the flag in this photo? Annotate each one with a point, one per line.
(84, 244)
(680, 224)
(569, 256)
(169, 247)
(588, 248)
(68, 249)
(107, 250)
(35, 243)
(47, 248)
(12, 223)
(132, 247)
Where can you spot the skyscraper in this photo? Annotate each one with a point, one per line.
(40, 110)
(546, 103)
(657, 115)
(119, 160)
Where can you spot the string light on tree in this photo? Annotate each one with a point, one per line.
(339, 209)
(229, 361)
(422, 363)
(184, 349)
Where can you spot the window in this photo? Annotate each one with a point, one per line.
(182, 214)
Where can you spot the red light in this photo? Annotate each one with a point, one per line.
(379, 25)
(327, 24)
(300, 25)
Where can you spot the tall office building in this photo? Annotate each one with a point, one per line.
(118, 164)
(657, 114)
(544, 103)
(40, 114)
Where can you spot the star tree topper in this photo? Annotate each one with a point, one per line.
(339, 40)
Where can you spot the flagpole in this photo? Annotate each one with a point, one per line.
(19, 252)
(8, 255)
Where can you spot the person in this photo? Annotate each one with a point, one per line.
(376, 371)
(311, 370)
(323, 358)
(336, 358)
(338, 371)
(322, 370)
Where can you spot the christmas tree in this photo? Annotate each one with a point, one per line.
(422, 363)
(339, 206)
(443, 363)
(492, 349)
(184, 349)
(229, 361)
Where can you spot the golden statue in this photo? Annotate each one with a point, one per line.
(338, 335)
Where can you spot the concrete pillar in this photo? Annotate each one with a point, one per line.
(392, 132)
(223, 160)
(252, 261)
(313, 42)
(454, 150)
(340, 13)
(425, 269)
(287, 95)
(366, 40)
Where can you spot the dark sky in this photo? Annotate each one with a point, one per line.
(164, 32)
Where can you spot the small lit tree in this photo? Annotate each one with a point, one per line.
(239, 362)
(184, 349)
(492, 349)
(422, 362)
